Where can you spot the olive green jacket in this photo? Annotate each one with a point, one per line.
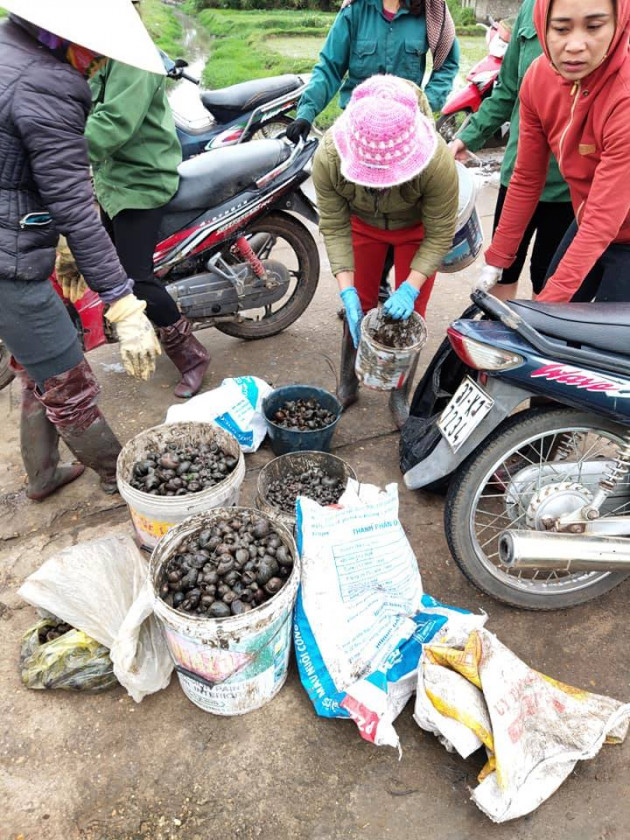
(431, 198)
(133, 145)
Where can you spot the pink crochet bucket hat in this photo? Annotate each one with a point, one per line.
(382, 137)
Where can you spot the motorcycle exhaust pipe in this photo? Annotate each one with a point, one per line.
(553, 552)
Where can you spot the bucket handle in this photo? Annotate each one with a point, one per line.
(333, 369)
(193, 675)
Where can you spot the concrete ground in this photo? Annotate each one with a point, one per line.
(103, 768)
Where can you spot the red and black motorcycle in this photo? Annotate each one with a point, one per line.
(231, 253)
(481, 81)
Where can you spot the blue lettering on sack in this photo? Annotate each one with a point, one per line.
(226, 421)
(314, 674)
(249, 388)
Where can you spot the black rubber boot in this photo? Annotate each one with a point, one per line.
(348, 390)
(398, 399)
(39, 445)
(70, 402)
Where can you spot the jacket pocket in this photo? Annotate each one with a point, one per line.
(364, 59)
(412, 58)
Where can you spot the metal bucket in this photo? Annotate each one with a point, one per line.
(387, 368)
(153, 516)
(295, 463)
(228, 666)
(468, 239)
(291, 440)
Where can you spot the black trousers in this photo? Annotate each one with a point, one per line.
(135, 235)
(549, 222)
(608, 280)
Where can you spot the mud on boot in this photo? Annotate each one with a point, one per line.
(188, 355)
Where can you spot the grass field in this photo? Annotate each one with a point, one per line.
(254, 44)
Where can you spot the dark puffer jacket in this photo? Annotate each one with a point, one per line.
(44, 105)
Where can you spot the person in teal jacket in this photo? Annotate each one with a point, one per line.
(554, 213)
(370, 37)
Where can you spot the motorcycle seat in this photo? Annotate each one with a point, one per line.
(604, 326)
(225, 104)
(210, 179)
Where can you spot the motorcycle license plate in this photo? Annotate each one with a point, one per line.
(467, 408)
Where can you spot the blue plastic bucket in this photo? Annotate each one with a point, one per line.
(291, 440)
(468, 239)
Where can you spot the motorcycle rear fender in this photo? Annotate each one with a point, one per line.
(299, 202)
(443, 461)
(468, 99)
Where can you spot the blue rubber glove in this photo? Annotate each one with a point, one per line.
(399, 306)
(354, 313)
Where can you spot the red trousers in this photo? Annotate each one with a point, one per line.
(370, 246)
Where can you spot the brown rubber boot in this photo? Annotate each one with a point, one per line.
(188, 355)
(39, 444)
(348, 389)
(398, 399)
(70, 403)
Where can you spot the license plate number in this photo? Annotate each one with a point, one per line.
(464, 413)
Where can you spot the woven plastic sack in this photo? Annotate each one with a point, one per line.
(72, 662)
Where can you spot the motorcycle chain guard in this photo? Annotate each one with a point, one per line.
(210, 294)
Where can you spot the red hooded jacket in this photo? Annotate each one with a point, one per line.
(587, 127)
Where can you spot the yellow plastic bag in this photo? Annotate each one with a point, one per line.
(73, 661)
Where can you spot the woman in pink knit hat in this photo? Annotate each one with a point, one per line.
(384, 178)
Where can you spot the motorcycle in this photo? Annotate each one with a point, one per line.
(252, 110)
(231, 253)
(481, 81)
(538, 507)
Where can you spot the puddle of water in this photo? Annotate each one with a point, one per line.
(184, 96)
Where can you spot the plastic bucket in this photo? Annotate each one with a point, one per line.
(387, 368)
(291, 440)
(153, 516)
(468, 238)
(294, 463)
(228, 666)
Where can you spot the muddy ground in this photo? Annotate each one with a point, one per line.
(103, 768)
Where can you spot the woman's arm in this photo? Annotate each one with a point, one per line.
(334, 218)
(438, 213)
(441, 81)
(50, 118)
(600, 217)
(330, 69)
(526, 184)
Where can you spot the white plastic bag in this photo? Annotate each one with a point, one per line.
(361, 617)
(236, 406)
(102, 588)
(475, 692)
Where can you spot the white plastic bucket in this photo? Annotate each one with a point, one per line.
(228, 666)
(153, 516)
(468, 239)
(387, 368)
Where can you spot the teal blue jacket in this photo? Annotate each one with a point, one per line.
(361, 43)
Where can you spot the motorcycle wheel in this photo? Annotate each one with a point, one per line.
(547, 447)
(6, 374)
(449, 124)
(291, 243)
(272, 129)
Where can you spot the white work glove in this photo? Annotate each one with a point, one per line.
(138, 342)
(490, 275)
(73, 286)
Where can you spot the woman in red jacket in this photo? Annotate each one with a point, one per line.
(575, 103)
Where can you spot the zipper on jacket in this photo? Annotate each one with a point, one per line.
(575, 90)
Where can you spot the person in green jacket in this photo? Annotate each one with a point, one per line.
(381, 36)
(135, 152)
(384, 178)
(554, 213)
